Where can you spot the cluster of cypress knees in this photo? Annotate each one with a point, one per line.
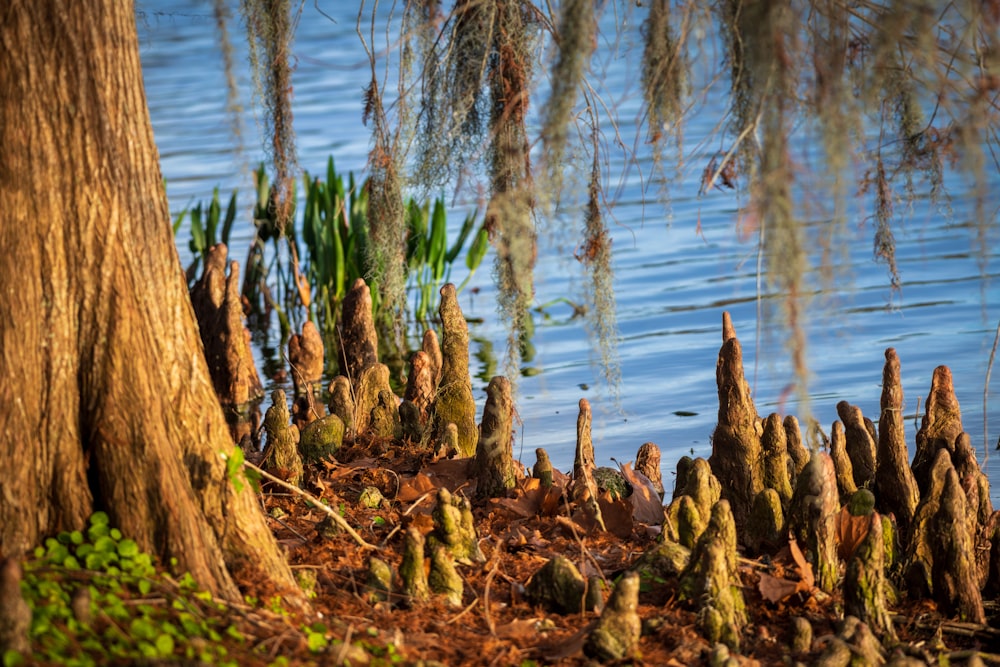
(925, 530)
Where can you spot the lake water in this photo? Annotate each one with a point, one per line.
(678, 265)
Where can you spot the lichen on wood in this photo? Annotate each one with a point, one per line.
(444, 578)
(542, 470)
(321, 439)
(686, 521)
(766, 525)
(369, 385)
(558, 587)
(496, 470)
(384, 417)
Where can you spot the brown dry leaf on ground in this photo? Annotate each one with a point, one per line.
(645, 499)
(790, 560)
(530, 498)
(850, 531)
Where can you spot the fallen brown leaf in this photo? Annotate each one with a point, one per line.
(645, 499)
(850, 531)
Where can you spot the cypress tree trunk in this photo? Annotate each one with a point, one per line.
(107, 399)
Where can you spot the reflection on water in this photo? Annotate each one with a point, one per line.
(677, 266)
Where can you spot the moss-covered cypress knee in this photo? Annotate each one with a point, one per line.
(865, 582)
(321, 439)
(411, 570)
(711, 580)
(542, 470)
(619, 628)
(444, 579)
(342, 402)
(282, 453)
(454, 402)
(455, 528)
(813, 515)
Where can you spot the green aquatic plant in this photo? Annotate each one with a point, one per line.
(208, 228)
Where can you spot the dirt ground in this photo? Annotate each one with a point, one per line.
(496, 625)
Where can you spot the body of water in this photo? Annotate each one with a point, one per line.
(680, 261)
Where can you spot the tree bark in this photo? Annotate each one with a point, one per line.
(107, 398)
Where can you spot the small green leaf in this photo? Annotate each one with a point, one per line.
(165, 645)
(128, 549)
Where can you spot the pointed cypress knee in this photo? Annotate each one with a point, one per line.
(940, 426)
(584, 484)
(358, 343)
(864, 582)
(219, 311)
(953, 575)
(454, 402)
(495, 466)
(842, 462)
(860, 445)
(737, 458)
(812, 517)
(765, 529)
(897, 488)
